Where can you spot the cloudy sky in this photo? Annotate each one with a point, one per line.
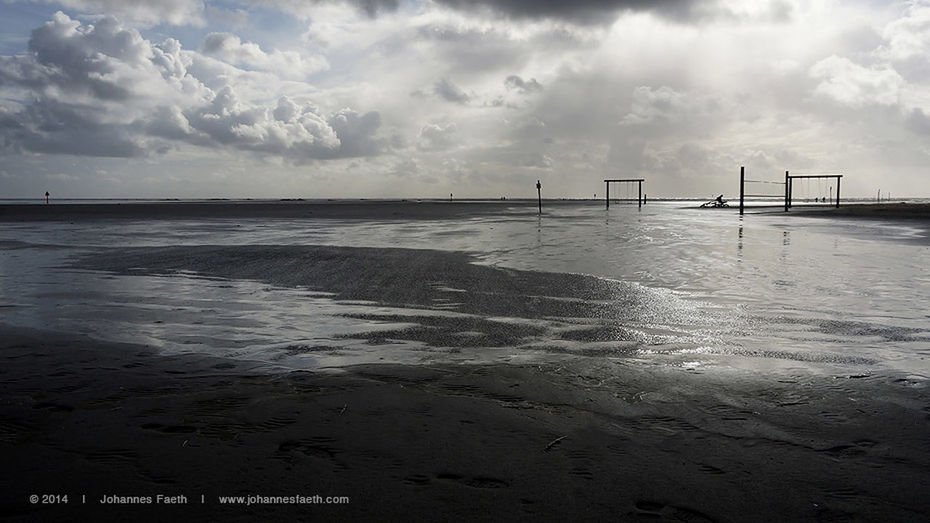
(422, 98)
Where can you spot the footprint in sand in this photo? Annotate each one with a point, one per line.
(53, 407)
(661, 511)
(417, 479)
(481, 482)
(169, 429)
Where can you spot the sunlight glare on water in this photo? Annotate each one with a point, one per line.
(756, 290)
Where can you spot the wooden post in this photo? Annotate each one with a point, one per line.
(608, 194)
(539, 195)
(838, 178)
(742, 172)
(787, 189)
(640, 197)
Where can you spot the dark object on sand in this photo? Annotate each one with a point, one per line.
(553, 443)
(716, 202)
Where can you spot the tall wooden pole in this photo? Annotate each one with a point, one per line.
(539, 195)
(608, 194)
(742, 180)
(640, 197)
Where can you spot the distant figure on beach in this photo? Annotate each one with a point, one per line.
(716, 202)
(450, 197)
(46, 197)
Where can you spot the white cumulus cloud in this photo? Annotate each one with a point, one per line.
(103, 90)
(854, 85)
(289, 64)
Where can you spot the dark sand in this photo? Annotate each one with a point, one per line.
(879, 211)
(286, 209)
(382, 210)
(81, 417)
(398, 277)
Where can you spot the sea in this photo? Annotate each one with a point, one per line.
(664, 285)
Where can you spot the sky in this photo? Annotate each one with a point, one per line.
(480, 98)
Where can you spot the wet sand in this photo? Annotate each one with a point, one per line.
(880, 211)
(288, 209)
(432, 443)
(586, 438)
(384, 210)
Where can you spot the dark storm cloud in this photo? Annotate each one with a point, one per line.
(52, 127)
(523, 86)
(450, 92)
(581, 11)
(374, 7)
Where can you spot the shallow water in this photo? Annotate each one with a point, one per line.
(659, 285)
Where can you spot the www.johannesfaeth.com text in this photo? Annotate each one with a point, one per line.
(283, 500)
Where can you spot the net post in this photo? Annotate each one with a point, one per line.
(787, 191)
(838, 178)
(640, 197)
(608, 193)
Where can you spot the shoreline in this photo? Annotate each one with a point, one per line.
(395, 209)
(369, 210)
(428, 443)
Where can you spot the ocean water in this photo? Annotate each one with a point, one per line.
(662, 285)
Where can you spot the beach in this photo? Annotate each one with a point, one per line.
(444, 260)
(481, 363)
(893, 211)
(281, 209)
(87, 419)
